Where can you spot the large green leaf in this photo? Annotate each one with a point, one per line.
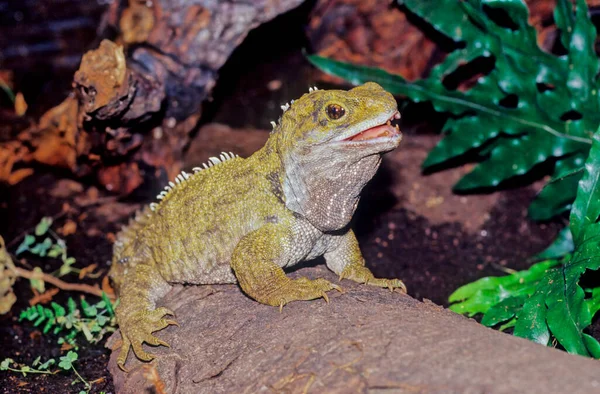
(555, 107)
(568, 313)
(561, 246)
(547, 299)
(503, 311)
(532, 316)
(485, 293)
(586, 207)
(558, 194)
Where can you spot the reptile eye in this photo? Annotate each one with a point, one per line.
(335, 111)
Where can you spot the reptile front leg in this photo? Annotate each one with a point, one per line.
(137, 314)
(346, 260)
(254, 263)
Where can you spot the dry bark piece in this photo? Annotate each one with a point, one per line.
(366, 339)
(372, 33)
(102, 73)
(130, 116)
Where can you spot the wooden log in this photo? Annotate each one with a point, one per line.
(364, 340)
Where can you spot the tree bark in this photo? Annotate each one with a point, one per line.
(364, 340)
(136, 99)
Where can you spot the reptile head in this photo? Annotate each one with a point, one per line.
(355, 123)
(331, 142)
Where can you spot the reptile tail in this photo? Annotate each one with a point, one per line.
(123, 246)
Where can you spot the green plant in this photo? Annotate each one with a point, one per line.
(52, 246)
(530, 107)
(547, 299)
(92, 320)
(66, 363)
(36, 367)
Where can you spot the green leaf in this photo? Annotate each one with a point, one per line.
(88, 310)
(55, 251)
(109, 306)
(47, 364)
(503, 311)
(102, 320)
(38, 284)
(24, 246)
(564, 19)
(71, 305)
(594, 302)
(86, 332)
(592, 345)
(509, 324)
(5, 364)
(583, 63)
(586, 207)
(561, 246)
(558, 194)
(43, 226)
(58, 309)
(568, 313)
(42, 248)
(531, 320)
(66, 362)
(493, 283)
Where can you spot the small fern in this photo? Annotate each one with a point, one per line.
(93, 320)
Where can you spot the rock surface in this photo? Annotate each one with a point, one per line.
(364, 340)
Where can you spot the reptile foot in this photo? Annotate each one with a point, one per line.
(137, 328)
(301, 289)
(362, 274)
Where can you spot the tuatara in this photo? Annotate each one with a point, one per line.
(243, 220)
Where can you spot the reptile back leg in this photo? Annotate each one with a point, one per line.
(137, 314)
(347, 261)
(254, 264)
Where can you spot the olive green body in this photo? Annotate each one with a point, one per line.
(243, 220)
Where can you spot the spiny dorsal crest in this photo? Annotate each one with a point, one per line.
(184, 176)
(287, 106)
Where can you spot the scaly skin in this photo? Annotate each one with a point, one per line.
(244, 220)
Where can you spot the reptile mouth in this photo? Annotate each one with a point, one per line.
(386, 131)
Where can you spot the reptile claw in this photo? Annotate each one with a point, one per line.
(163, 311)
(122, 367)
(401, 289)
(172, 322)
(325, 297)
(137, 328)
